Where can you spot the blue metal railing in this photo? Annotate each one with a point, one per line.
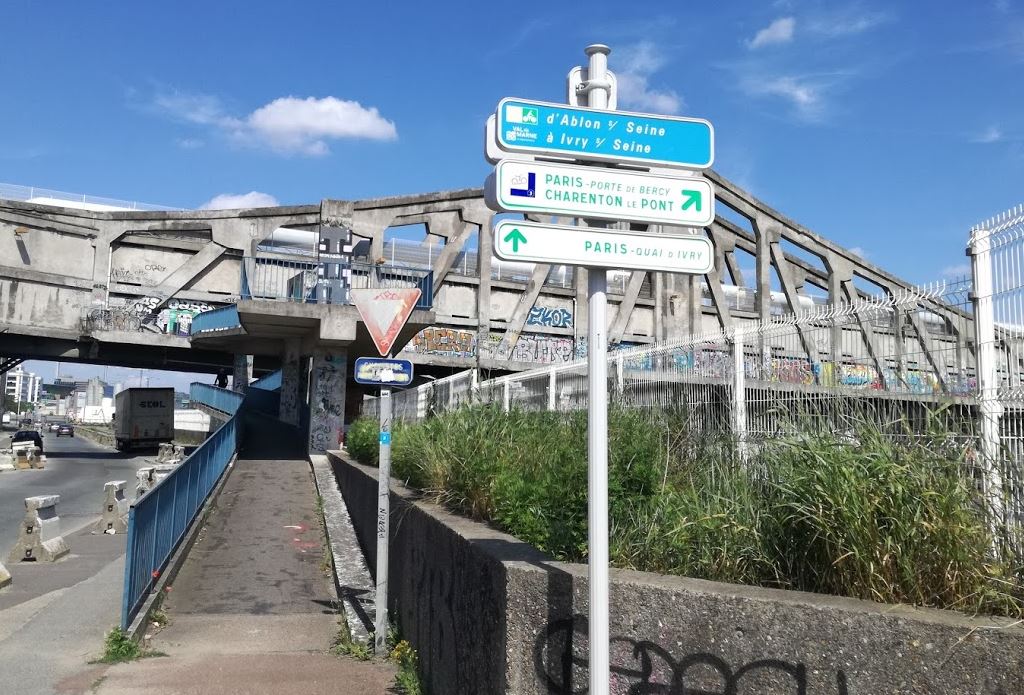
(220, 319)
(219, 399)
(268, 382)
(159, 519)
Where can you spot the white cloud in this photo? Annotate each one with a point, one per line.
(858, 251)
(288, 125)
(956, 271)
(779, 31)
(988, 136)
(190, 143)
(805, 97)
(633, 67)
(235, 201)
(846, 23)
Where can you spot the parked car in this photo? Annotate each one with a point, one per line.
(65, 430)
(22, 436)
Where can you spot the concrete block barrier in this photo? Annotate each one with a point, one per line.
(6, 460)
(161, 471)
(5, 576)
(36, 458)
(39, 537)
(21, 459)
(164, 453)
(114, 517)
(144, 476)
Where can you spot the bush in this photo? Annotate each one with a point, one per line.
(868, 516)
(363, 441)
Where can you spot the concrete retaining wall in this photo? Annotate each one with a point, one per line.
(490, 614)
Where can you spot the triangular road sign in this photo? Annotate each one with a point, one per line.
(385, 311)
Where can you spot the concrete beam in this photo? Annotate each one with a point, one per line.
(618, 327)
(186, 273)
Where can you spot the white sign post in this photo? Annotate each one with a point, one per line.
(591, 130)
(597, 89)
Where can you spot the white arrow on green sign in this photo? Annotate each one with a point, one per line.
(516, 240)
(610, 194)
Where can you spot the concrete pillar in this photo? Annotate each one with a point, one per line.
(327, 399)
(39, 537)
(291, 379)
(242, 376)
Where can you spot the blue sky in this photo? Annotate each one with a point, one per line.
(891, 127)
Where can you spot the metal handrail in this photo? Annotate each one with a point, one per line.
(160, 518)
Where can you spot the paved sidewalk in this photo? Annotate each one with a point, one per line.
(252, 611)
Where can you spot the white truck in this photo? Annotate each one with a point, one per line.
(143, 417)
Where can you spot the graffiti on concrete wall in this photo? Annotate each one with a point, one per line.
(554, 318)
(137, 313)
(289, 407)
(138, 275)
(642, 666)
(445, 342)
(327, 400)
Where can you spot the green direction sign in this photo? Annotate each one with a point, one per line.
(610, 194)
(516, 240)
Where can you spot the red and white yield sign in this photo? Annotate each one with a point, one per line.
(385, 311)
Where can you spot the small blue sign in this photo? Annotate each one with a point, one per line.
(607, 136)
(381, 372)
(385, 438)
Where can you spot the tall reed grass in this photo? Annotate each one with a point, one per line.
(863, 514)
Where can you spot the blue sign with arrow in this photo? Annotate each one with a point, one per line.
(537, 127)
(381, 372)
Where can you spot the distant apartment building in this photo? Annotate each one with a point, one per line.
(22, 386)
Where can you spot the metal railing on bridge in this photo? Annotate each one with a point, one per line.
(160, 518)
(301, 280)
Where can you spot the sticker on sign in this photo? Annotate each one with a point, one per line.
(609, 194)
(547, 243)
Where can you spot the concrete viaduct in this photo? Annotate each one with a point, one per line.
(123, 288)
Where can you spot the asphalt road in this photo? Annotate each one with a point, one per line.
(76, 469)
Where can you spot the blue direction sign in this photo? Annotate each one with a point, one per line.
(379, 372)
(537, 127)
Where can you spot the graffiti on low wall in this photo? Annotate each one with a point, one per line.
(642, 666)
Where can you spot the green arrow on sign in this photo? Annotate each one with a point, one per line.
(692, 198)
(516, 237)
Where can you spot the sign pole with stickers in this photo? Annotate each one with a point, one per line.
(384, 312)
